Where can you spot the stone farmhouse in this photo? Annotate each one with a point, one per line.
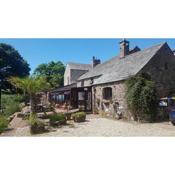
(74, 71)
(101, 87)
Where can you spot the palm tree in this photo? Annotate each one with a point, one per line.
(31, 86)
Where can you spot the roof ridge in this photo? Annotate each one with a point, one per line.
(161, 44)
(107, 63)
(78, 63)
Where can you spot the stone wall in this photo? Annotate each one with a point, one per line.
(162, 70)
(116, 107)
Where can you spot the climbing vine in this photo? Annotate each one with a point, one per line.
(141, 97)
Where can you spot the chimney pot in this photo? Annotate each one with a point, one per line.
(95, 61)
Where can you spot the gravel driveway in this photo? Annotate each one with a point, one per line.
(97, 126)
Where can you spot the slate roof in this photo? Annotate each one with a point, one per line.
(79, 66)
(75, 74)
(117, 68)
(64, 88)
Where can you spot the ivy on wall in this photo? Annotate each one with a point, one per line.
(141, 97)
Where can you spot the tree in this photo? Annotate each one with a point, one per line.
(9, 57)
(141, 97)
(31, 86)
(53, 72)
(3, 72)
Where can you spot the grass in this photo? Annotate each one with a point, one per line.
(11, 103)
(3, 123)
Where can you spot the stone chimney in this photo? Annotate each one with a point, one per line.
(124, 48)
(95, 61)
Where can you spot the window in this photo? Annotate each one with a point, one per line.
(107, 93)
(60, 98)
(81, 96)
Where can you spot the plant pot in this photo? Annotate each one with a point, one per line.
(57, 123)
(79, 119)
(37, 128)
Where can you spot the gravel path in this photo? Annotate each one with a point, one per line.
(17, 127)
(96, 126)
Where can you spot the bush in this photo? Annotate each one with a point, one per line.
(11, 103)
(57, 119)
(36, 126)
(141, 97)
(79, 117)
(11, 109)
(3, 123)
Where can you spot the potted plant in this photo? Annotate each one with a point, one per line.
(79, 117)
(36, 125)
(57, 119)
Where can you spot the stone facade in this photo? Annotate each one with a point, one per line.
(161, 68)
(116, 106)
(157, 61)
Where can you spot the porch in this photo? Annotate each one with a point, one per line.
(72, 97)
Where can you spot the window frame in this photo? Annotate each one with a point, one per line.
(107, 93)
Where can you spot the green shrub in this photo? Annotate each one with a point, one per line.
(36, 126)
(141, 97)
(56, 119)
(11, 109)
(79, 116)
(3, 123)
(11, 103)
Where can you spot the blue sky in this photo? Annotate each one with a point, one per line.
(37, 51)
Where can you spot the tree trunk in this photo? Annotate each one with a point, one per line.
(32, 103)
(26, 98)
